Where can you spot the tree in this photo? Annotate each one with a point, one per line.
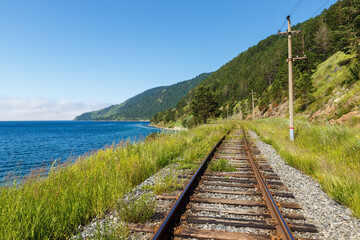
(170, 115)
(304, 86)
(323, 38)
(203, 104)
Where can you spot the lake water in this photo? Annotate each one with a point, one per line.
(29, 145)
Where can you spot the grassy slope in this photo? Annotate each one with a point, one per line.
(53, 207)
(330, 154)
(333, 98)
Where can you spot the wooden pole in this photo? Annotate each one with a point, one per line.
(290, 62)
(291, 95)
(253, 105)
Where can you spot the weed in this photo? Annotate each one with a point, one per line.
(106, 231)
(137, 210)
(147, 187)
(188, 166)
(221, 165)
(169, 183)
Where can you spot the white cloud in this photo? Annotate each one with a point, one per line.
(12, 109)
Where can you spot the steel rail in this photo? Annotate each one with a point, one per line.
(280, 224)
(179, 207)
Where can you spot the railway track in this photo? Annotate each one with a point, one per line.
(248, 203)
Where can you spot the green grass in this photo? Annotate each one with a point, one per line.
(330, 154)
(221, 165)
(106, 231)
(53, 207)
(137, 209)
(169, 183)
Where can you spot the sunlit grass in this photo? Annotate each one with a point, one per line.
(221, 165)
(137, 209)
(330, 154)
(168, 183)
(53, 207)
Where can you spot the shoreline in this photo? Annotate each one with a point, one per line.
(43, 158)
(109, 120)
(170, 129)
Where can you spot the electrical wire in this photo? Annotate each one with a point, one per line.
(296, 7)
(320, 8)
(293, 10)
(282, 25)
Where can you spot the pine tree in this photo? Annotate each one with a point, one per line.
(203, 104)
(304, 88)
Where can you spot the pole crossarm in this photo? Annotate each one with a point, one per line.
(295, 58)
(290, 32)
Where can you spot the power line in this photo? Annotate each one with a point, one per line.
(282, 26)
(293, 10)
(320, 8)
(296, 7)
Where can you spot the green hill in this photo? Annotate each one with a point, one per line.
(263, 67)
(146, 104)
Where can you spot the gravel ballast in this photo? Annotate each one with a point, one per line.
(332, 220)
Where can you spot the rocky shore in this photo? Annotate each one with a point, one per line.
(171, 129)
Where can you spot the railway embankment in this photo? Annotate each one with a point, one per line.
(331, 219)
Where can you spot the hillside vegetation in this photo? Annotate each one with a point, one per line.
(336, 95)
(331, 98)
(263, 69)
(145, 105)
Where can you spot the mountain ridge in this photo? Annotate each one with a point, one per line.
(146, 104)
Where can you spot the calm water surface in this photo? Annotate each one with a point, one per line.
(29, 145)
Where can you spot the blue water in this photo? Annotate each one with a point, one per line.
(25, 146)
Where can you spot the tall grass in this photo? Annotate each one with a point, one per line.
(330, 154)
(52, 207)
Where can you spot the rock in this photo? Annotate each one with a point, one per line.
(348, 117)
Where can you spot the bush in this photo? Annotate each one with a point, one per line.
(190, 122)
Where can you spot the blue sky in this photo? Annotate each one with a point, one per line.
(66, 57)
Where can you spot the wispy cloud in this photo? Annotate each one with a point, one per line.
(43, 109)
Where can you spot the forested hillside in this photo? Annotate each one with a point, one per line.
(146, 104)
(263, 68)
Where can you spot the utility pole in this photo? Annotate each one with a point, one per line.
(253, 105)
(290, 62)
